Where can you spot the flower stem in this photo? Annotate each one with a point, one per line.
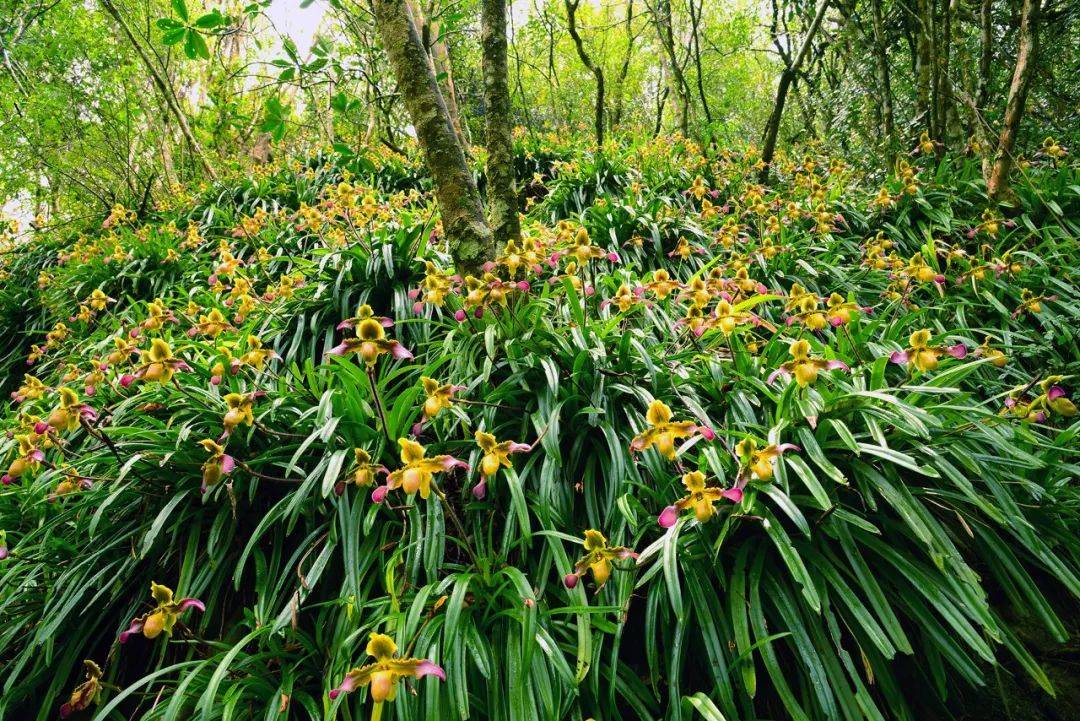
(379, 408)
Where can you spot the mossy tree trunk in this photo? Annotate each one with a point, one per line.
(467, 232)
(502, 191)
(997, 184)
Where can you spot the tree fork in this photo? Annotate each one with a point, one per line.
(467, 232)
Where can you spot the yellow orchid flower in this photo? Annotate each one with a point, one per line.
(758, 461)
(159, 364)
(416, 472)
(385, 671)
(363, 472)
(998, 359)
(212, 324)
(804, 367)
(439, 396)
(28, 460)
(370, 341)
(662, 285)
(256, 356)
(164, 615)
(598, 559)
(65, 417)
(86, 693)
(218, 465)
(31, 390)
(662, 432)
(699, 497)
(922, 355)
(496, 455)
(241, 410)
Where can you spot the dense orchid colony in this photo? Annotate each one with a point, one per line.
(734, 284)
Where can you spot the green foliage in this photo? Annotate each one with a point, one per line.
(894, 549)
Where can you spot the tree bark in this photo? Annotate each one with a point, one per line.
(997, 184)
(772, 127)
(467, 233)
(986, 56)
(664, 29)
(624, 69)
(502, 193)
(881, 53)
(923, 25)
(695, 21)
(593, 67)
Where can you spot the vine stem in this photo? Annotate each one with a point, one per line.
(456, 521)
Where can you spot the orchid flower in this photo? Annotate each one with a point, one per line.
(124, 348)
(98, 300)
(66, 416)
(662, 432)
(256, 356)
(998, 359)
(218, 465)
(86, 693)
(363, 313)
(496, 455)
(625, 298)
(364, 470)
(72, 482)
(370, 341)
(758, 462)
(385, 671)
(803, 366)
(240, 411)
(159, 364)
(31, 390)
(922, 355)
(439, 396)
(29, 459)
(839, 310)
(416, 472)
(598, 559)
(728, 319)
(582, 248)
(1053, 399)
(661, 285)
(699, 497)
(211, 324)
(164, 615)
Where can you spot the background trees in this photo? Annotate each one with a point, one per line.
(159, 92)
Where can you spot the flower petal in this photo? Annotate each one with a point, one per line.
(426, 668)
(735, 495)
(668, 517)
(186, 603)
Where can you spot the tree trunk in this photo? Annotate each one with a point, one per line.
(997, 185)
(502, 194)
(667, 40)
(595, 69)
(772, 127)
(165, 89)
(695, 20)
(986, 56)
(624, 69)
(439, 53)
(881, 53)
(467, 233)
(923, 62)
